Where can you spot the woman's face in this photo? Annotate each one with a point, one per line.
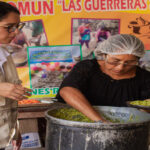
(120, 64)
(11, 20)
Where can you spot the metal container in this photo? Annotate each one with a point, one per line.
(72, 135)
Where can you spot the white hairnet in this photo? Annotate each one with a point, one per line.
(120, 44)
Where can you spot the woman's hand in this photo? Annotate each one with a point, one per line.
(14, 91)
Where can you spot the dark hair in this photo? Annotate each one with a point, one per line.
(6, 8)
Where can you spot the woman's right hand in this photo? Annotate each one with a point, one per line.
(14, 91)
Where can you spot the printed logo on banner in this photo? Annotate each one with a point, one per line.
(49, 65)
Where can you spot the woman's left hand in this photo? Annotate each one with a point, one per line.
(17, 143)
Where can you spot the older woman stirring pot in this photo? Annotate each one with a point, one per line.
(109, 80)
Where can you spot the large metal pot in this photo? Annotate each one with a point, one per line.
(71, 135)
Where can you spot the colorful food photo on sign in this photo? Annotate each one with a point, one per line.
(49, 65)
(90, 32)
(32, 34)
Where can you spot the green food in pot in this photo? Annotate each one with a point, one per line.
(74, 115)
(142, 103)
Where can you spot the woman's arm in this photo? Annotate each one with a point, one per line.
(76, 99)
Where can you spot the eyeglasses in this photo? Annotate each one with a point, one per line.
(116, 63)
(12, 28)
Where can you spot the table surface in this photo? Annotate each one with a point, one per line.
(32, 110)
